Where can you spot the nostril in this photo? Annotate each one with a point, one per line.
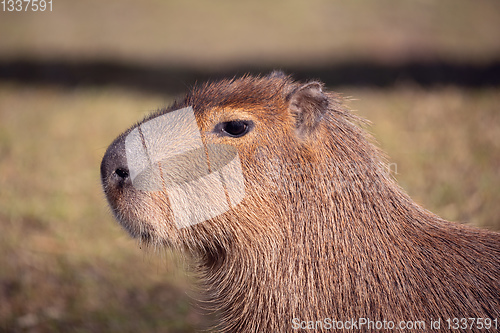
(122, 173)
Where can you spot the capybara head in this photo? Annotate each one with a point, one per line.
(277, 192)
(222, 164)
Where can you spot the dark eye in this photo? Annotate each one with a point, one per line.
(236, 128)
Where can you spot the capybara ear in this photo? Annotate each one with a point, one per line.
(308, 104)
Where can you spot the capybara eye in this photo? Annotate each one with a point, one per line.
(236, 128)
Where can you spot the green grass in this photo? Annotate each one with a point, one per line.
(67, 266)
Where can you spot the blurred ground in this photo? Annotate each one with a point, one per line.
(67, 266)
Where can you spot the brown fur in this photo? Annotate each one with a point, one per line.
(324, 231)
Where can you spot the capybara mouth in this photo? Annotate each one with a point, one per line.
(146, 237)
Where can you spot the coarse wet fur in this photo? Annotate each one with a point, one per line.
(324, 231)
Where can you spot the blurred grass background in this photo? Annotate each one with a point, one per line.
(66, 265)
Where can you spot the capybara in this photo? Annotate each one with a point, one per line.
(292, 218)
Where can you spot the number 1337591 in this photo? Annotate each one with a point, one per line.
(26, 5)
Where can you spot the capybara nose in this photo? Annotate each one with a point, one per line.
(114, 168)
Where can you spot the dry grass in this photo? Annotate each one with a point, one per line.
(445, 144)
(68, 267)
